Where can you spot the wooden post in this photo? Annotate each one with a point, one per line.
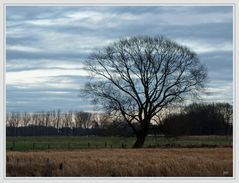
(17, 161)
(13, 145)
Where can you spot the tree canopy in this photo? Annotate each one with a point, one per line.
(139, 76)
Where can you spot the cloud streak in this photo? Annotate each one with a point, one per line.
(47, 46)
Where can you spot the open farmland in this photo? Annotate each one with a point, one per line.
(122, 162)
(92, 142)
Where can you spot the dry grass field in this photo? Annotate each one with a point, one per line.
(122, 162)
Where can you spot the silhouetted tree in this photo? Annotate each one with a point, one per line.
(227, 111)
(13, 120)
(58, 119)
(140, 76)
(67, 121)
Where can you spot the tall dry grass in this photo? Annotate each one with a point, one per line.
(122, 162)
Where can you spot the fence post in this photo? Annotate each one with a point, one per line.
(17, 161)
(123, 146)
(61, 167)
(13, 145)
(105, 144)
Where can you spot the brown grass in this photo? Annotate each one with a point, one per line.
(122, 162)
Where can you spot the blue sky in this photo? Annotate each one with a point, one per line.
(46, 47)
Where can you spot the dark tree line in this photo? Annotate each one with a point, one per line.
(57, 123)
(200, 119)
(194, 119)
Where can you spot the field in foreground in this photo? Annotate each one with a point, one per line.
(122, 162)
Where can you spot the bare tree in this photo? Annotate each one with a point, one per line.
(14, 119)
(41, 116)
(100, 120)
(67, 121)
(227, 111)
(35, 122)
(77, 119)
(47, 118)
(83, 119)
(9, 120)
(139, 76)
(86, 119)
(58, 119)
(26, 119)
(52, 119)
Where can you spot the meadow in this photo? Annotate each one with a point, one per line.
(95, 156)
(94, 142)
(147, 162)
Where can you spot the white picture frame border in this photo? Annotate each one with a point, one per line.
(235, 5)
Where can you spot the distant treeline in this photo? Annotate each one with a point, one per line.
(200, 119)
(194, 119)
(33, 130)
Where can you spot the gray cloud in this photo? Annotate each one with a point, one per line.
(42, 99)
(29, 68)
(60, 38)
(218, 63)
(14, 54)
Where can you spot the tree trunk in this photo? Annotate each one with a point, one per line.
(140, 140)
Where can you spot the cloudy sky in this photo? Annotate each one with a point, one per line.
(46, 48)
